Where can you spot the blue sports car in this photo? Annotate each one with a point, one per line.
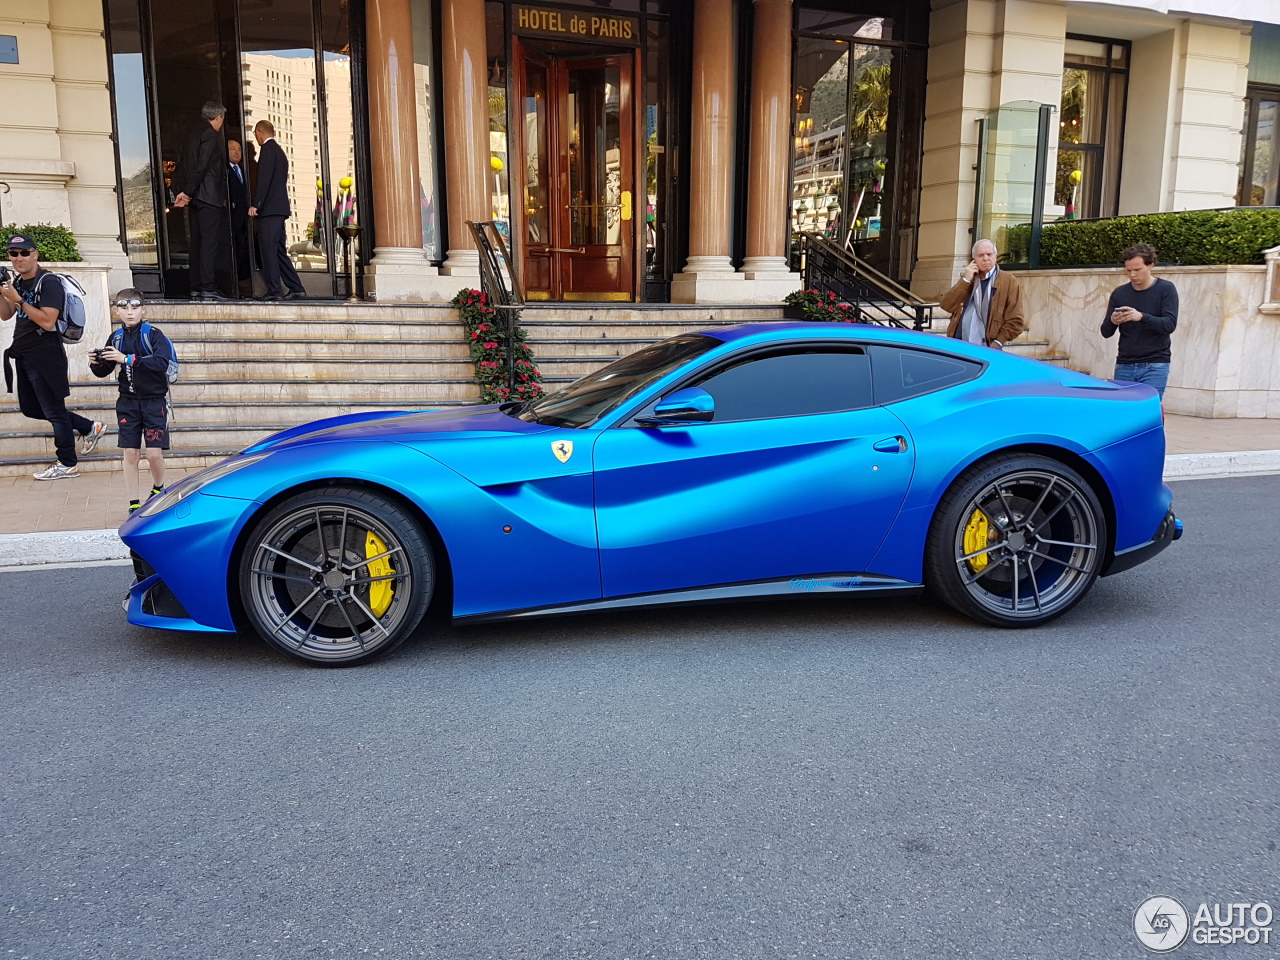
(764, 460)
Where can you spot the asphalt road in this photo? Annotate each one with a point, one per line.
(815, 778)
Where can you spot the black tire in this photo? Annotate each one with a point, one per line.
(1017, 541)
(336, 576)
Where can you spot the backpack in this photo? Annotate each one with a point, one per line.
(144, 330)
(70, 325)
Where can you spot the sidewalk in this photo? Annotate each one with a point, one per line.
(95, 504)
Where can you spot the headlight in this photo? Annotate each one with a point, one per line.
(194, 483)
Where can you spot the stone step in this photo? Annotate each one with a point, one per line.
(291, 330)
(182, 437)
(332, 370)
(234, 414)
(111, 460)
(328, 349)
(238, 311)
(348, 390)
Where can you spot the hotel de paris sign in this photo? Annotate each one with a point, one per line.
(575, 25)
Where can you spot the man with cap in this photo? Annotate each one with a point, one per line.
(36, 299)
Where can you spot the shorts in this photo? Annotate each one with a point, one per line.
(143, 418)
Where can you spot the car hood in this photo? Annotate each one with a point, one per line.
(465, 423)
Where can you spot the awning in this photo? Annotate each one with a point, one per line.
(1261, 11)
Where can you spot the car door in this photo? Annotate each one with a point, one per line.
(798, 474)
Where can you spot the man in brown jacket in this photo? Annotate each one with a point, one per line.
(986, 302)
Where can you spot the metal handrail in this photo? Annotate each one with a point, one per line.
(496, 267)
(875, 297)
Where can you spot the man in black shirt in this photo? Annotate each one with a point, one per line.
(1145, 311)
(36, 297)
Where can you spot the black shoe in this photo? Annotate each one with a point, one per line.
(215, 296)
(270, 296)
(295, 295)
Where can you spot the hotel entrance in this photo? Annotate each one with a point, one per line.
(576, 206)
(576, 150)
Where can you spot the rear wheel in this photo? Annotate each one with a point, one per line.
(1018, 540)
(336, 576)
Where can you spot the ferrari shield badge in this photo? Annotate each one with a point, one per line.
(563, 449)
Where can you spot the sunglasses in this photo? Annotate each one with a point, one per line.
(127, 303)
(20, 253)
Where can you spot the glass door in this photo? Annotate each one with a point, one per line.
(289, 62)
(576, 183)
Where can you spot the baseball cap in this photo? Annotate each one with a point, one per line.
(20, 243)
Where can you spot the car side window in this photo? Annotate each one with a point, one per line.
(793, 384)
(902, 373)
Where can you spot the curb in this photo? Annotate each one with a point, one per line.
(70, 546)
(18, 550)
(1204, 466)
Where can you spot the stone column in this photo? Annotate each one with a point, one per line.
(982, 53)
(399, 270)
(768, 177)
(466, 113)
(708, 275)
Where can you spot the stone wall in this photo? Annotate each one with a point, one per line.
(56, 152)
(1226, 350)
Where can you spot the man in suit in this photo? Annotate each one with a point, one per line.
(238, 201)
(204, 189)
(271, 208)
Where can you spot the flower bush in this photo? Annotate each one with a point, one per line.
(823, 306)
(484, 333)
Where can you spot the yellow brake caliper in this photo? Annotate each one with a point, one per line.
(381, 591)
(975, 539)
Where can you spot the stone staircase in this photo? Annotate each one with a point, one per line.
(250, 369)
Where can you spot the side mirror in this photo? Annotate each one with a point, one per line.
(690, 405)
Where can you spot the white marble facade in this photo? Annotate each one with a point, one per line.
(1226, 351)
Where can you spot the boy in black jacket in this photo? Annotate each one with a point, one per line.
(142, 408)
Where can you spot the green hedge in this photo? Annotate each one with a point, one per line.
(1190, 237)
(56, 244)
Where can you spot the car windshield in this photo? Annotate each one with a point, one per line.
(585, 401)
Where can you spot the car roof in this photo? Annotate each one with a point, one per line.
(765, 331)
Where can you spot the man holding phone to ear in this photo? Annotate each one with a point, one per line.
(986, 302)
(1145, 311)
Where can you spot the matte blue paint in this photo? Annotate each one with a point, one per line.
(695, 508)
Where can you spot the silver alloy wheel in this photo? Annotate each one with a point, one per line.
(330, 582)
(1041, 549)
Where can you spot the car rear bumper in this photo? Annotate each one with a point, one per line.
(1170, 529)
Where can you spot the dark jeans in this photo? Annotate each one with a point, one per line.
(275, 258)
(1152, 374)
(65, 423)
(210, 257)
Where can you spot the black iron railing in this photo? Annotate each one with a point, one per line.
(501, 285)
(874, 297)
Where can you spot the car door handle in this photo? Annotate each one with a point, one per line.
(891, 445)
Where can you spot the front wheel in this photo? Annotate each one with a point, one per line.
(336, 576)
(1017, 541)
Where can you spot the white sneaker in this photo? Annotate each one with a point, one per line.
(90, 440)
(58, 472)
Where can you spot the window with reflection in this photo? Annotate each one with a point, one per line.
(1095, 83)
(843, 122)
(137, 178)
(1260, 161)
(499, 177)
(428, 159)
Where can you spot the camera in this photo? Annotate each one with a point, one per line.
(5, 276)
